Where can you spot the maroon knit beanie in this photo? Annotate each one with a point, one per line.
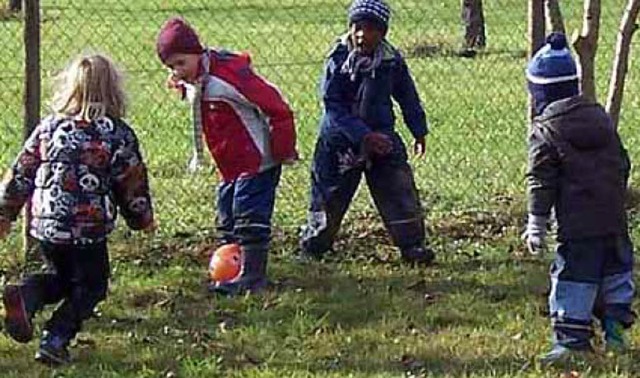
(177, 37)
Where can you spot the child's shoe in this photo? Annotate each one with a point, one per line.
(17, 321)
(53, 350)
(560, 354)
(418, 255)
(614, 336)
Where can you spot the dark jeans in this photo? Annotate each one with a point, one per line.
(590, 277)
(76, 275)
(335, 177)
(245, 207)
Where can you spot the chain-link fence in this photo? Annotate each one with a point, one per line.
(476, 106)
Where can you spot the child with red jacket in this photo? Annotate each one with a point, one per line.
(249, 130)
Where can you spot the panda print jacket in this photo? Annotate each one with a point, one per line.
(77, 175)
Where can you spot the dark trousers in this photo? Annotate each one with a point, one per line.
(75, 276)
(590, 277)
(245, 207)
(335, 177)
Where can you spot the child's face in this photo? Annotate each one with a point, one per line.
(366, 36)
(184, 67)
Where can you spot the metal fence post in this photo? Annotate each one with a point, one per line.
(32, 92)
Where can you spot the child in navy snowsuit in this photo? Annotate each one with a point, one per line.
(578, 166)
(363, 73)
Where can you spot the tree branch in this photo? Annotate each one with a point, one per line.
(555, 22)
(586, 45)
(621, 62)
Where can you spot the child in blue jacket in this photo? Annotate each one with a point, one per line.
(363, 73)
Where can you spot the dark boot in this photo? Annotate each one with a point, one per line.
(252, 277)
(418, 255)
(53, 350)
(17, 320)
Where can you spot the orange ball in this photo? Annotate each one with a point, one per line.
(225, 263)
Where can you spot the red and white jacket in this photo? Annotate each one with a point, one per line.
(246, 122)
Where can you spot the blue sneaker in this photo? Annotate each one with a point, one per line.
(560, 354)
(53, 350)
(614, 335)
(17, 321)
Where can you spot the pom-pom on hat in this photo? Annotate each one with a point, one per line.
(553, 63)
(376, 11)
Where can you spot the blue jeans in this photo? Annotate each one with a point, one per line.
(245, 207)
(590, 277)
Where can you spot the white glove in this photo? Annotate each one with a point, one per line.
(195, 164)
(535, 233)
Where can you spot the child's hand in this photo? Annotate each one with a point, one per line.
(151, 227)
(535, 233)
(176, 85)
(5, 227)
(419, 147)
(195, 164)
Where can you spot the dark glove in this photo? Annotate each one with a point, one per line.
(376, 144)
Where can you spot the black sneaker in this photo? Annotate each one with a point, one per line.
(17, 321)
(418, 256)
(53, 350)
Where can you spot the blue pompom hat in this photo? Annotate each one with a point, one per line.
(553, 63)
(376, 11)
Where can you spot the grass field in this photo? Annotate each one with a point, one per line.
(480, 312)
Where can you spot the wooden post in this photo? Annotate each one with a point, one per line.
(536, 36)
(32, 91)
(621, 63)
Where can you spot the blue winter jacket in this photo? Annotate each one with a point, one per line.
(354, 108)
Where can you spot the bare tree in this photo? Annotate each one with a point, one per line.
(620, 65)
(555, 22)
(586, 45)
(473, 17)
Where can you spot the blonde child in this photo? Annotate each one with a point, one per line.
(79, 165)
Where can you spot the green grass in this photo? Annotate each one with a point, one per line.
(480, 312)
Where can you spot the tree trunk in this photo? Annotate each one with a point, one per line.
(586, 45)
(621, 63)
(536, 36)
(555, 22)
(473, 18)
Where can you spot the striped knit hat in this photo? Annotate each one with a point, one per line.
(376, 11)
(553, 63)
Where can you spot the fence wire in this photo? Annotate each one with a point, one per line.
(475, 101)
